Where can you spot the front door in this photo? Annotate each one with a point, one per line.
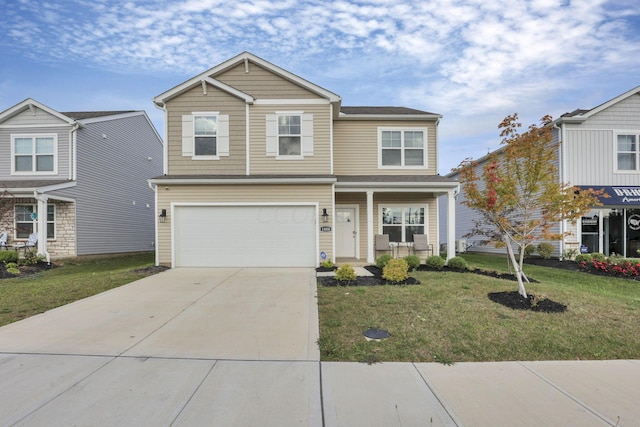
(346, 233)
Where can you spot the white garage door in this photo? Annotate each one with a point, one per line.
(245, 236)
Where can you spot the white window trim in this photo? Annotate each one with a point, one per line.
(615, 152)
(403, 206)
(403, 129)
(189, 137)
(203, 114)
(35, 221)
(33, 136)
(306, 135)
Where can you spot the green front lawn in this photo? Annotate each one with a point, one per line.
(73, 279)
(449, 318)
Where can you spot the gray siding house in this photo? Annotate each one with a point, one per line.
(81, 176)
(598, 148)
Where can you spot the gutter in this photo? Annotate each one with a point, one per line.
(154, 188)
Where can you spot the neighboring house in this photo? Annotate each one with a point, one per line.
(264, 168)
(598, 148)
(79, 178)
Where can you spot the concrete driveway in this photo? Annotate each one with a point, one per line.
(187, 346)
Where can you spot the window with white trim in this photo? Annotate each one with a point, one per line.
(628, 152)
(33, 153)
(403, 148)
(26, 221)
(205, 135)
(289, 135)
(402, 222)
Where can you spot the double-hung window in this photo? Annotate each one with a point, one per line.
(26, 221)
(205, 136)
(33, 154)
(404, 148)
(289, 135)
(402, 222)
(628, 152)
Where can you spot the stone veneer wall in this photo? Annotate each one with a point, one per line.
(64, 245)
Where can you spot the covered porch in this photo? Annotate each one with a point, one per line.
(398, 206)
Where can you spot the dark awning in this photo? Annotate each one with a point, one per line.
(618, 195)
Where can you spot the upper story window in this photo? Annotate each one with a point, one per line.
(205, 136)
(404, 148)
(33, 154)
(289, 135)
(628, 152)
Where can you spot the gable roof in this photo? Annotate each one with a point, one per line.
(31, 104)
(369, 112)
(81, 115)
(208, 76)
(579, 115)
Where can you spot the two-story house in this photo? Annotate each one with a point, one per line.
(264, 168)
(78, 179)
(597, 148)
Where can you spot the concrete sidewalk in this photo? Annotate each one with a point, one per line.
(237, 347)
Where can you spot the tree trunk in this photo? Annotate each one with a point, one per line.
(518, 267)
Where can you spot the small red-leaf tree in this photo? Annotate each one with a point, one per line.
(520, 197)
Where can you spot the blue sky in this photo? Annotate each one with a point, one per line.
(473, 61)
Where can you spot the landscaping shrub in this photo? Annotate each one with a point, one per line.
(382, 260)
(345, 273)
(396, 270)
(586, 258)
(326, 264)
(458, 263)
(12, 268)
(8, 256)
(545, 250)
(435, 261)
(413, 261)
(31, 258)
(529, 250)
(598, 256)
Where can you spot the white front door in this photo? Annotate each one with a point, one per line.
(346, 233)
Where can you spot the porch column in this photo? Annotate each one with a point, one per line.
(370, 235)
(42, 224)
(451, 225)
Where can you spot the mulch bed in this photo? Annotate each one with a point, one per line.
(375, 280)
(516, 301)
(26, 270)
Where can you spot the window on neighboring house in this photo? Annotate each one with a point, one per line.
(289, 136)
(26, 221)
(402, 222)
(33, 154)
(628, 153)
(402, 147)
(205, 135)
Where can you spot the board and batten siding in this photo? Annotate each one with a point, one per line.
(114, 204)
(240, 194)
(263, 84)
(216, 100)
(42, 123)
(318, 163)
(356, 147)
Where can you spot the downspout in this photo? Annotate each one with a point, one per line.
(42, 224)
(73, 155)
(165, 148)
(561, 166)
(154, 188)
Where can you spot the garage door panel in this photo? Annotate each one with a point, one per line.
(245, 236)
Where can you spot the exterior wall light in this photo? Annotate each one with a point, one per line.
(325, 215)
(163, 215)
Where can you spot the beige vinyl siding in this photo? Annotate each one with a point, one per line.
(390, 199)
(321, 194)
(263, 84)
(356, 147)
(215, 100)
(318, 163)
